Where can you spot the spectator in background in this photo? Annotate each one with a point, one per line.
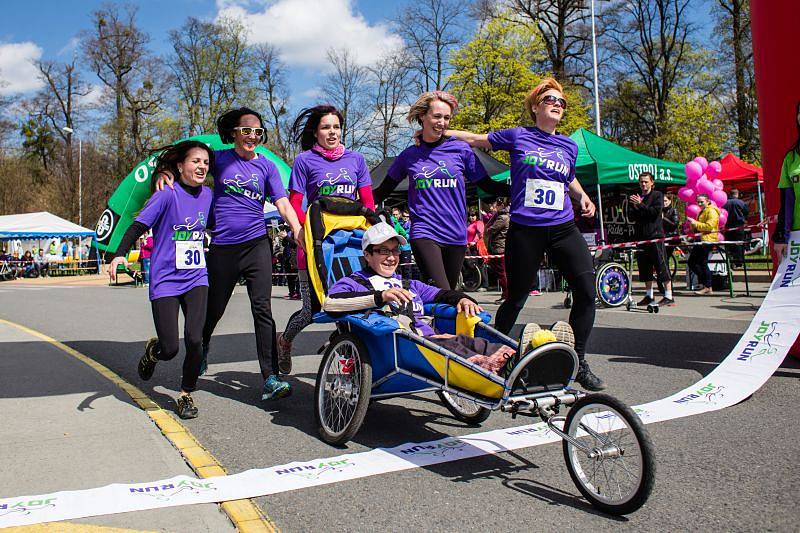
(708, 224)
(669, 217)
(495, 238)
(64, 250)
(41, 263)
(476, 245)
(146, 252)
(737, 216)
(290, 266)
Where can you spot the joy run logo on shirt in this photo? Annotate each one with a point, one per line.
(544, 158)
(426, 179)
(192, 230)
(239, 185)
(342, 184)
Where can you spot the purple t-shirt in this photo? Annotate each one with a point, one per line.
(179, 220)
(315, 176)
(422, 293)
(542, 167)
(437, 195)
(240, 189)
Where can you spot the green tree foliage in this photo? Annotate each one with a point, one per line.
(695, 125)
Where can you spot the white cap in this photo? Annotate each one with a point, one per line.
(380, 233)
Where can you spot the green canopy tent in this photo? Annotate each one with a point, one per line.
(602, 162)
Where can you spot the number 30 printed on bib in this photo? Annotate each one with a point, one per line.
(544, 194)
(189, 255)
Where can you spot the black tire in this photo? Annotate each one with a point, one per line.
(470, 276)
(463, 409)
(637, 458)
(343, 386)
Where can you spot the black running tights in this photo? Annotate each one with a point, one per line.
(439, 264)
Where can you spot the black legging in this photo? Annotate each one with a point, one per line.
(253, 261)
(525, 246)
(165, 317)
(439, 264)
(698, 263)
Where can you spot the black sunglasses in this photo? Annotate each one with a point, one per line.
(551, 100)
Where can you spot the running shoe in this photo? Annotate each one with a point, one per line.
(704, 291)
(284, 355)
(535, 293)
(499, 301)
(275, 389)
(587, 379)
(186, 407)
(147, 364)
(527, 335)
(482, 289)
(204, 360)
(644, 302)
(563, 332)
(666, 302)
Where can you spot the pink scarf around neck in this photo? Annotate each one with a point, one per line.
(330, 155)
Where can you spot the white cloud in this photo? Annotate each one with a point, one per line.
(17, 71)
(305, 29)
(93, 96)
(312, 93)
(71, 46)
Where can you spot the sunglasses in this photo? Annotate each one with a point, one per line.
(244, 130)
(551, 100)
(385, 252)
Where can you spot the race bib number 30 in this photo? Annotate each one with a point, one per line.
(544, 194)
(189, 255)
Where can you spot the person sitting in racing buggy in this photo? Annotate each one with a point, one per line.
(378, 285)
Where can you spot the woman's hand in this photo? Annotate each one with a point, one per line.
(779, 249)
(298, 237)
(468, 307)
(112, 268)
(165, 177)
(587, 206)
(396, 295)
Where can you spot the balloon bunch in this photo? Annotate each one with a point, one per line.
(701, 178)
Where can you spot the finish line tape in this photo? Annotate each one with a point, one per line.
(756, 356)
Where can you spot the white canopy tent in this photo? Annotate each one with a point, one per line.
(42, 225)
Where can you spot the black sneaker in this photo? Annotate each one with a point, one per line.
(644, 302)
(186, 407)
(587, 379)
(147, 364)
(666, 301)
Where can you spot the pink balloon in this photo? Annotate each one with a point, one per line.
(693, 210)
(713, 169)
(686, 194)
(723, 212)
(719, 197)
(702, 161)
(704, 186)
(712, 202)
(720, 237)
(723, 219)
(718, 185)
(693, 170)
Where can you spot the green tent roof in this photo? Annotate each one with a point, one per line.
(604, 162)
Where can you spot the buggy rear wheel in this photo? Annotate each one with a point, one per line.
(342, 391)
(612, 284)
(470, 276)
(618, 474)
(463, 409)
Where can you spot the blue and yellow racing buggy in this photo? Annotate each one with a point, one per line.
(372, 355)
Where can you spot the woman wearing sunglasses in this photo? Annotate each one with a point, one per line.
(324, 168)
(437, 169)
(240, 247)
(542, 179)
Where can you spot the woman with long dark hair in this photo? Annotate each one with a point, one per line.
(437, 169)
(542, 178)
(324, 168)
(178, 276)
(789, 185)
(240, 247)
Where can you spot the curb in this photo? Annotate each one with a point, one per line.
(245, 515)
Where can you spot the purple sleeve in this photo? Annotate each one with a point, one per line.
(473, 169)
(425, 292)
(154, 208)
(274, 185)
(397, 172)
(297, 180)
(503, 139)
(346, 284)
(363, 179)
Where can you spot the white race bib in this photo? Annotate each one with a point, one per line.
(544, 194)
(189, 255)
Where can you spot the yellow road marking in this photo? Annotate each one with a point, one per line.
(244, 514)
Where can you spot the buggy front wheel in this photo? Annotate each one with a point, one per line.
(463, 409)
(617, 474)
(342, 391)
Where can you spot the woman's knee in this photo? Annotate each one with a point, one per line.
(168, 349)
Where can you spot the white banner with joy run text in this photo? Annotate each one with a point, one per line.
(753, 360)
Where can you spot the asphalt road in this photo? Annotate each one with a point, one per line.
(735, 469)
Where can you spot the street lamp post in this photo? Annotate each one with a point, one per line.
(70, 131)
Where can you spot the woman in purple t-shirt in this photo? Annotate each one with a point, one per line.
(437, 170)
(178, 277)
(240, 247)
(324, 168)
(542, 180)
